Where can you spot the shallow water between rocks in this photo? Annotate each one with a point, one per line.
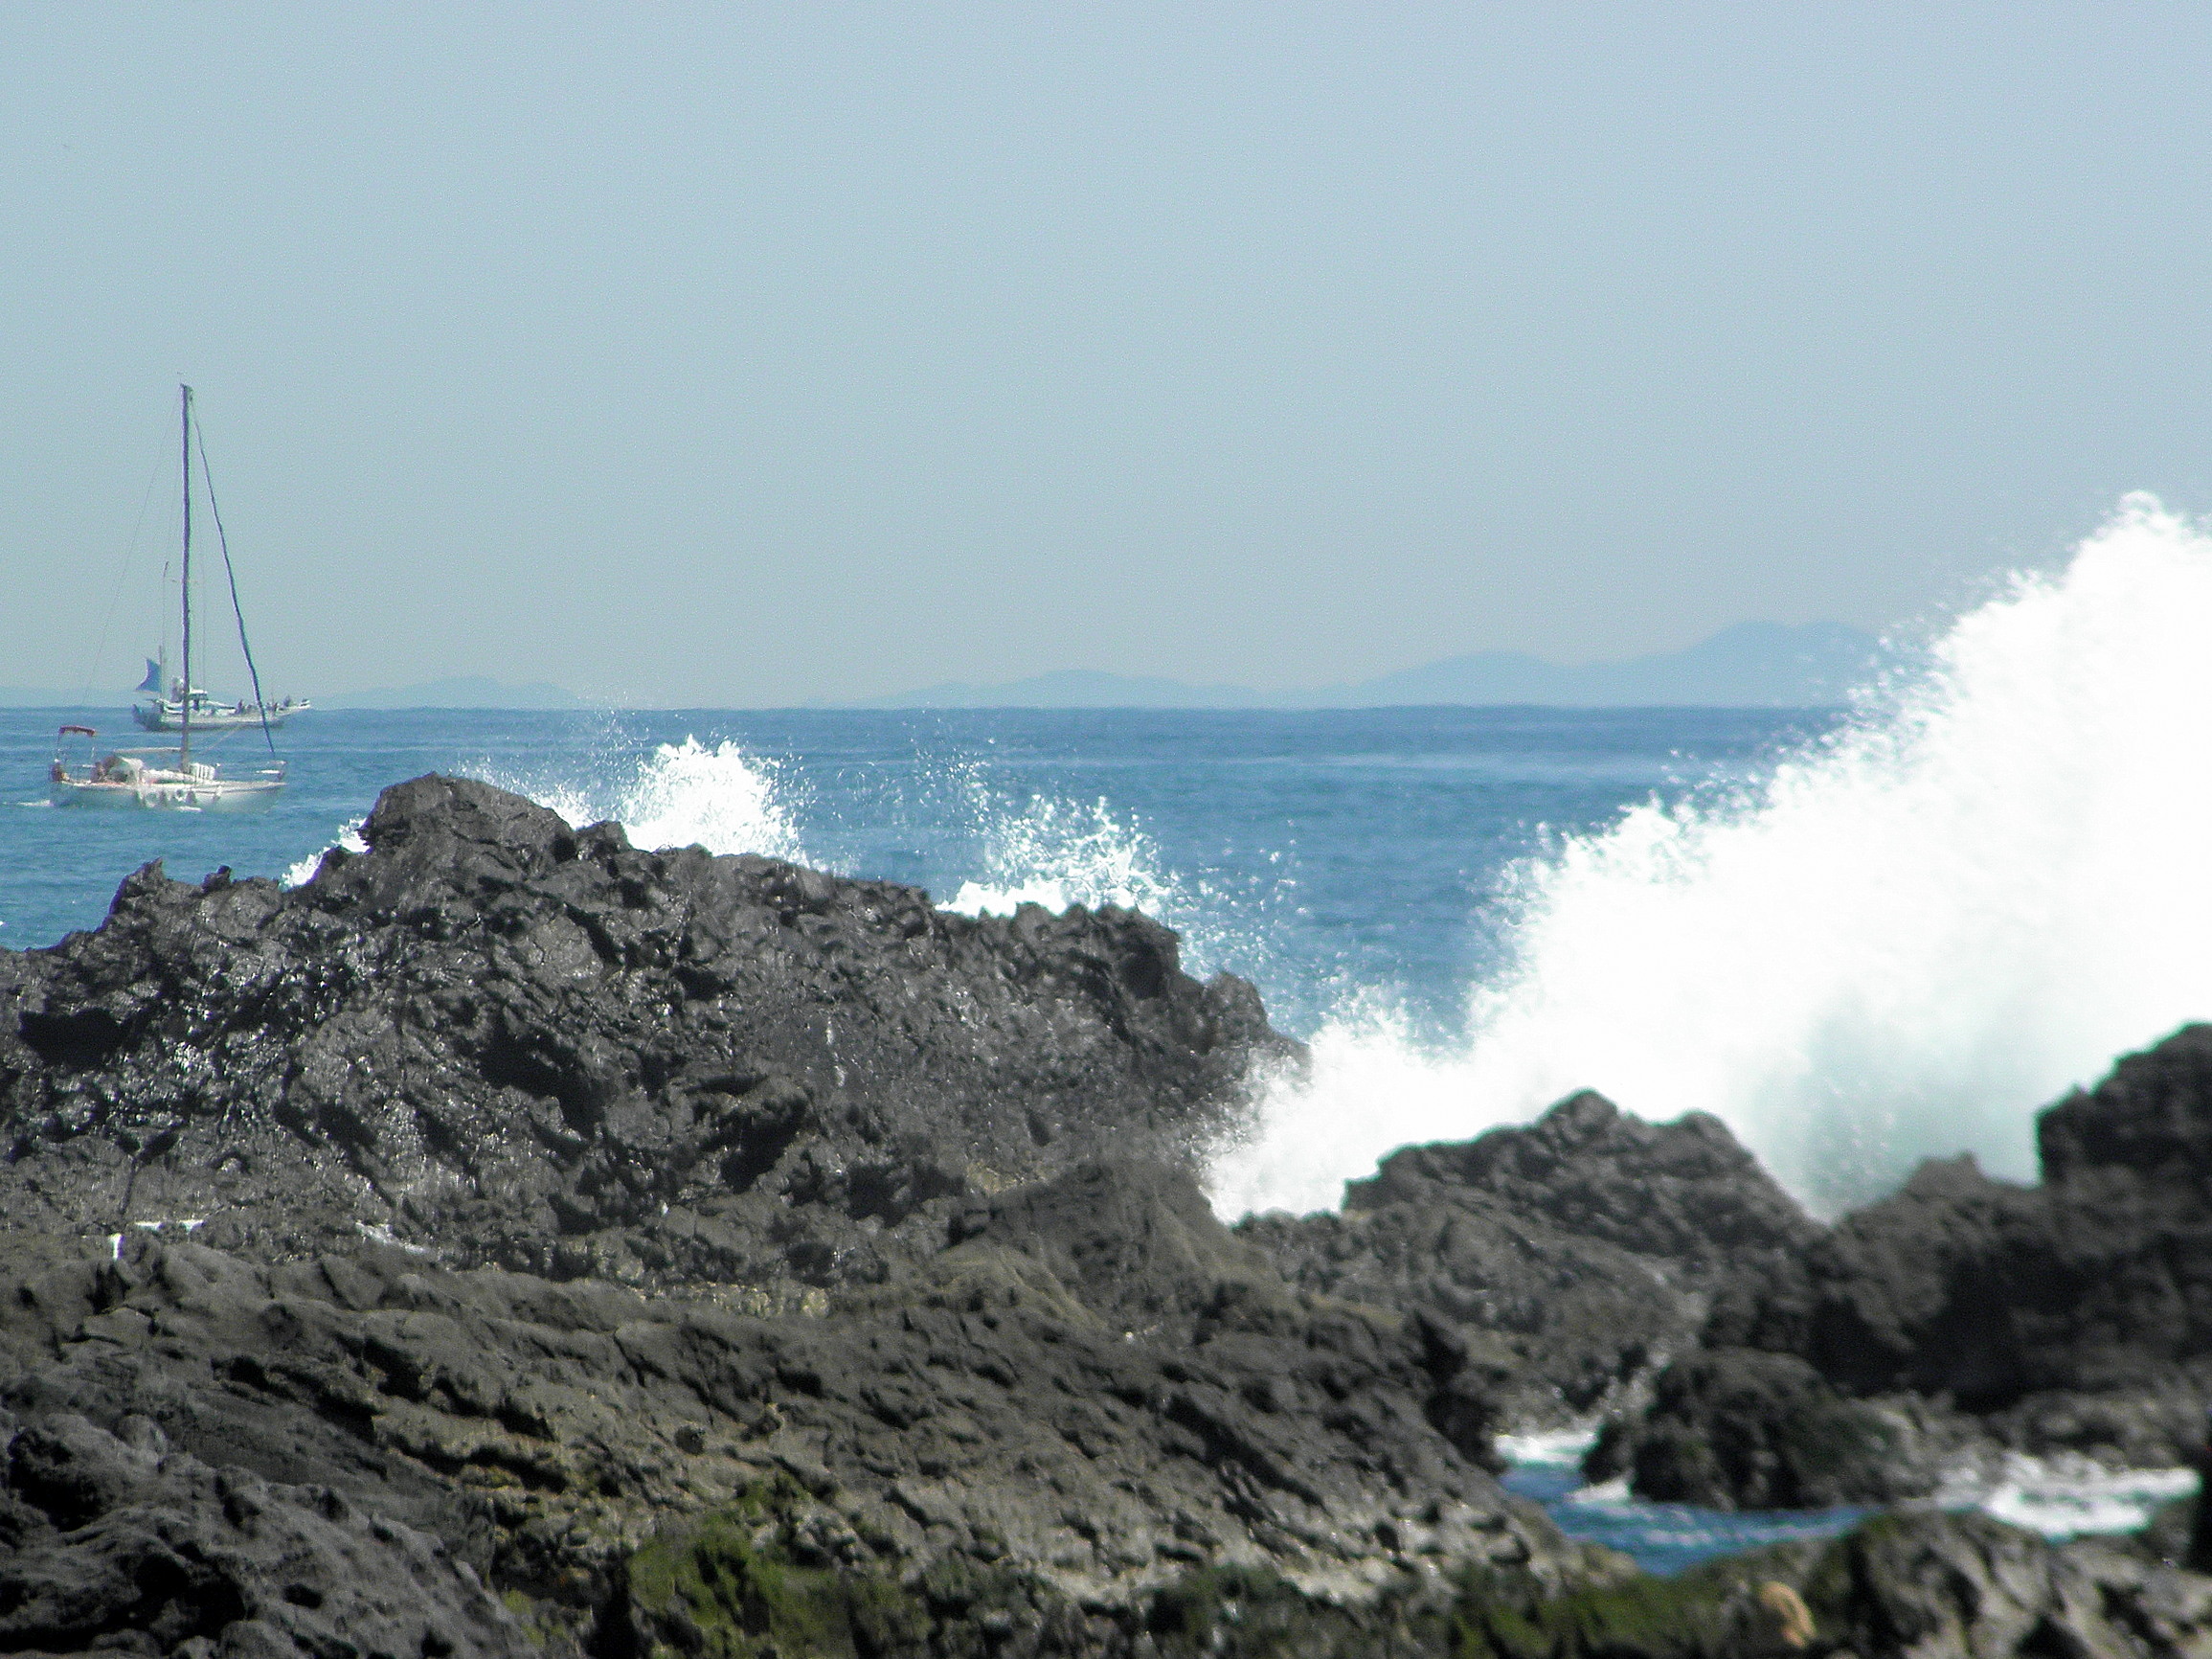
(2058, 1501)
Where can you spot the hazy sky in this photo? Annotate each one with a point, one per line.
(737, 355)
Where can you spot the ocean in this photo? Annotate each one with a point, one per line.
(1859, 936)
(1321, 855)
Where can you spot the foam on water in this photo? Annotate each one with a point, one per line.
(1059, 852)
(2061, 1497)
(348, 839)
(1564, 1448)
(1902, 942)
(683, 794)
(2064, 1497)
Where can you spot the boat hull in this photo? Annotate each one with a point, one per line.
(167, 718)
(163, 795)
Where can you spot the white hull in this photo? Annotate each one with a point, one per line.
(200, 795)
(165, 780)
(170, 718)
(138, 782)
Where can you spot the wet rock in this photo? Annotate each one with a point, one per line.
(1574, 1254)
(114, 1547)
(509, 1041)
(1976, 1317)
(1734, 1428)
(1988, 1292)
(544, 1430)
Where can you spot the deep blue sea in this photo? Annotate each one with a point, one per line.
(1468, 911)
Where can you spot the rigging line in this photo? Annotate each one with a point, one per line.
(260, 703)
(129, 553)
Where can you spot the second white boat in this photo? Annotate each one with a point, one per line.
(173, 780)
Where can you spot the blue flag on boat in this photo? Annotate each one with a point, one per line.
(152, 681)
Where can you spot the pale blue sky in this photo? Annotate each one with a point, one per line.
(707, 354)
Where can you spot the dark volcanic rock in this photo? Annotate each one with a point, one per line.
(327, 1192)
(1975, 1315)
(1734, 1428)
(966, 1472)
(517, 1043)
(1576, 1252)
(122, 1545)
(1929, 1586)
(314, 1206)
(1989, 1292)
(978, 1413)
(1963, 1584)
(1684, 1191)
(1138, 1244)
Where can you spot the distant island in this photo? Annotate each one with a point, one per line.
(1752, 664)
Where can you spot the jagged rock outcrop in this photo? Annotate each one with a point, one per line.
(977, 1417)
(517, 1043)
(114, 1543)
(512, 1189)
(212, 1456)
(1737, 1428)
(1576, 1252)
(1964, 1316)
(515, 1242)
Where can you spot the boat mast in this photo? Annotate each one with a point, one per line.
(184, 748)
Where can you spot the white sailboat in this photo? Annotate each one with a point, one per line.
(165, 710)
(173, 779)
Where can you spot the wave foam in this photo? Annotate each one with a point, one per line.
(2067, 1496)
(1901, 944)
(681, 795)
(1559, 1447)
(348, 839)
(1057, 853)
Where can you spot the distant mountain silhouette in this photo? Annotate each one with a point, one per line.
(1752, 664)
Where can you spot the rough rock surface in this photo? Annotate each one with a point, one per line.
(512, 1241)
(512, 1189)
(118, 1544)
(520, 1044)
(1963, 1317)
(1928, 1586)
(1578, 1252)
(978, 1413)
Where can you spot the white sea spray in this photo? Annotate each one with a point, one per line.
(716, 796)
(348, 839)
(1902, 942)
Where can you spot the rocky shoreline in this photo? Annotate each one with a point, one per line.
(512, 1241)
(1965, 1318)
